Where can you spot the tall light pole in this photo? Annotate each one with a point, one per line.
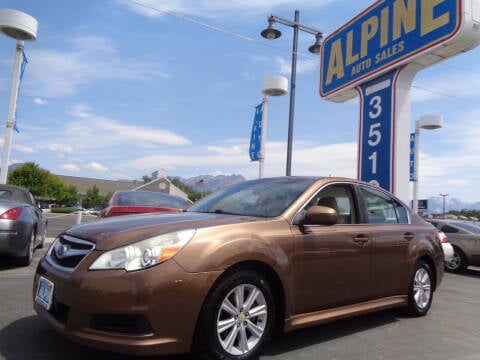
(22, 27)
(427, 122)
(444, 195)
(271, 86)
(272, 33)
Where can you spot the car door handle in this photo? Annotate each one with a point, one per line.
(408, 236)
(361, 239)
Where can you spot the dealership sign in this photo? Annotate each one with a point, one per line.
(375, 56)
(376, 140)
(386, 35)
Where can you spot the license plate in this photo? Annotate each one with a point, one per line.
(44, 294)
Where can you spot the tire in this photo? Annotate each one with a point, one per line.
(27, 259)
(420, 293)
(459, 262)
(236, 318)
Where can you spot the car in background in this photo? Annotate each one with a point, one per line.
(446, 247)
(23, 226)
(222, 276)
(465, 239)
(128, 202)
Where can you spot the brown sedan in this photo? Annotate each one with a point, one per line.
(219, 278)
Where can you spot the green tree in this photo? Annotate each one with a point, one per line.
(93, 198)
(32, 177)
(41, 182)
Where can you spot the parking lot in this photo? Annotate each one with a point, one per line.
(450, 331)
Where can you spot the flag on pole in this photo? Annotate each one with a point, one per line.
(255, 139)
(22, 70)
(199, 182)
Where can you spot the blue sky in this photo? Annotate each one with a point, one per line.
(114, 90)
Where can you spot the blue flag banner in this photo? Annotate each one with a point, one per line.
(412, 157)
(22, 70)
(255, 140)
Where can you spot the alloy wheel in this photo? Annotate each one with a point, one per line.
(242, 319)
(422, 288)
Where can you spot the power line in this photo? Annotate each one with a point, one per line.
(446, 95)
(248, 38)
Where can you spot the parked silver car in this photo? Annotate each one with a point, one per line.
(465, 239)
(23, 226)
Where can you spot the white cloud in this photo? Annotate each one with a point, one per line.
(97, 131)
(335, 159)
(284, 67)
(59, 73)
(60, 148)
(24, 149)
(225, 150)
(40, 101)
(70, 167)
(96, 167)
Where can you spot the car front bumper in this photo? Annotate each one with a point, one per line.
(147, 312)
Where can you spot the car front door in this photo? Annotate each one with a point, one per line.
(331, 264)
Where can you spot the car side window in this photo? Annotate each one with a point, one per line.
(382, 209)
(447, 229)
(339, 198)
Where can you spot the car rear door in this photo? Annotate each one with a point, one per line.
(391, 234)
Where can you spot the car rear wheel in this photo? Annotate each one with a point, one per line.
(236, 318)
(27, 259)
(421, 290)
(458, 262)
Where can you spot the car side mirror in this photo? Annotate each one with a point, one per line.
(320, 215)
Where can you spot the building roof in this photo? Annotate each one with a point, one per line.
(105, 187)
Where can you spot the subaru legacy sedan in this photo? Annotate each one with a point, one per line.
(221, 277)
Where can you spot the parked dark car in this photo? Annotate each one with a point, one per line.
(219, 278)
(128, 202)
(465, 239)
(23, 226)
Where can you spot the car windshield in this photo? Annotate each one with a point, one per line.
(143, 198)
(474, 229)
(263, 197)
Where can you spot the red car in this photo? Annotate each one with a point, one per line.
(137, 202)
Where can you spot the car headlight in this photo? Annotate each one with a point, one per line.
(145, 253)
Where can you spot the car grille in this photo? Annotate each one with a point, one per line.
(67, 252)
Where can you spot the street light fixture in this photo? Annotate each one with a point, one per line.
(22, 27)
(271, 86)
(427, 122)
(272, 33)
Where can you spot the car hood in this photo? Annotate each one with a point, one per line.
(118, 231)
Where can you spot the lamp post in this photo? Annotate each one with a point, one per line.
(272, 33)
(444, 195)
(427, 122)
(271, 86)
(22, 27)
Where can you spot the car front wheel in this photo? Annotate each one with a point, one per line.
(236, 318)
(421, 290)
